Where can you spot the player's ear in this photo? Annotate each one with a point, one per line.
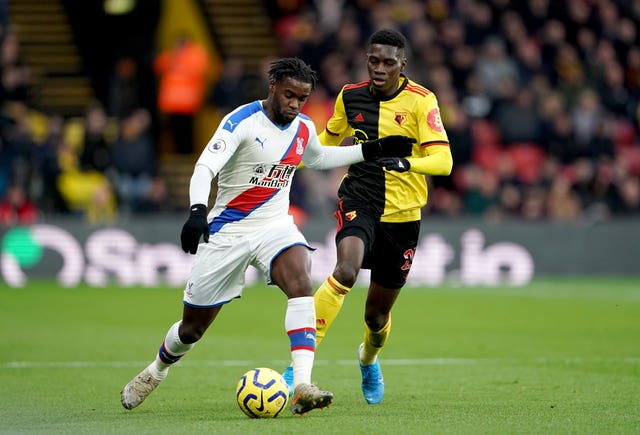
(272, 88)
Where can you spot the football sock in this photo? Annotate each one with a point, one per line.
(328, 299)
(374, 342)
(299, 322)
(170, 352)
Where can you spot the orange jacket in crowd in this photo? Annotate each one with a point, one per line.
(183, 72)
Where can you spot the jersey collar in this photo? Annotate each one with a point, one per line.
(404, 80)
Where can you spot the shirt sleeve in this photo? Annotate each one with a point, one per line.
(435, 157)
(200, 185)
(222, 145)
(438, 161)
(317, 156)
(430, 127)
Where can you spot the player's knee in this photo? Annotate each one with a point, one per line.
(298, 287)
(345, 274)
(375, 321)
(191, 333)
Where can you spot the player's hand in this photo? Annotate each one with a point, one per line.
(388, 146)
(397, 164)
(195, 226)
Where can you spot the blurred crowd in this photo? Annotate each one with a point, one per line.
(100, 165)
(540, 99)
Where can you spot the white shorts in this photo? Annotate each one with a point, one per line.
(219, 269)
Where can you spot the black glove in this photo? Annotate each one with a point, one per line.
(388, 146)
(195, 227)
(397, 164)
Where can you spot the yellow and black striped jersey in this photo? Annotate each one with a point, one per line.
(411, 111)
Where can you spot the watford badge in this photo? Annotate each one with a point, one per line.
(400, 118)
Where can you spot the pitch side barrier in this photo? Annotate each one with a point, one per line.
(459, 252)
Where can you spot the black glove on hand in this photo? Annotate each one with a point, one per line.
(397, 164)
(195, 227)
(388, 146)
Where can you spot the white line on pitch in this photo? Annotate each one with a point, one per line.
(283, 363)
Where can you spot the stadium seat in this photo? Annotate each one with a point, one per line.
(625, 133)
(527, 159)
(485, 133)
(487, 156)
(630, 155)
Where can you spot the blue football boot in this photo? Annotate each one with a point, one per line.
(288, 378)
(372, 381)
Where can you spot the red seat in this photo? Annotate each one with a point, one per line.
(487, 157)
(630, 156)
(485, 133)
(527, 159)
(625, 134)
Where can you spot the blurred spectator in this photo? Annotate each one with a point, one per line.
(517, 118)
(16, 208)
(616, 98)
(482, 191)
(562, 203)
(183, 71)
(458, 127)
(19, 144)
(134, 159)
(591, 127)
(96, 151)
(319, 107)
(49, 199)
(14, 73)
(233, 88)
(629, 193)
(85, 192)
(495, 68)
(125, 91)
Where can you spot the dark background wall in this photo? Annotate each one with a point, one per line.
(103, 38)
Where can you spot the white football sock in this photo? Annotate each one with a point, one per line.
(300, 323)
(170, 352)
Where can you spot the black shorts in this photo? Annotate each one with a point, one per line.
(389, 247)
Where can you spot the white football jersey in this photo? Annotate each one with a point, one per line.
(255, 160)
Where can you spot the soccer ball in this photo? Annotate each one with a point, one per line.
(262, 393)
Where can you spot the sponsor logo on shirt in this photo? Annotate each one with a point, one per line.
(276, 176)
(434, 120)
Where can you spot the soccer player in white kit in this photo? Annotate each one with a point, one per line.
(254, 152)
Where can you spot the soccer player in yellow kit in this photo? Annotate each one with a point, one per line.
(379, 208)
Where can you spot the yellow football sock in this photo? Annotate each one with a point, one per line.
(328, 300)
(374, 342)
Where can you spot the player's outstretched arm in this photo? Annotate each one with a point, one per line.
(388, 146)
(438, 162)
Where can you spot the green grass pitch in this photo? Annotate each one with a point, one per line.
(558, 356)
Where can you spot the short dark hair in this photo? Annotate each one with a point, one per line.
(388, 37)
(292, 67)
